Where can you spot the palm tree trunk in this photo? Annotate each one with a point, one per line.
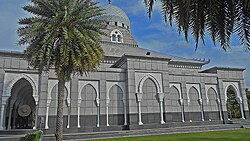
(59, 118)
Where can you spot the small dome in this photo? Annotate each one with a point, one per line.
(114, 14)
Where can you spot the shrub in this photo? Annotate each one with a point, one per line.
(34, 136)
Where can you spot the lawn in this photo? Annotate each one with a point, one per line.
(229, 135)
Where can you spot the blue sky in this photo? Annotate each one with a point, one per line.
(150, 34)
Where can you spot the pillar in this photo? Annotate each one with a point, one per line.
(139, 98)
(36, 98)
(161, 97)
(201, 107)
(47, 114)
(220, 112)
(68, 104)
(239, 100)
(79, 112)
(2, 116)
(10, 113)
(98, 112)
(181, 102)
(125, 112)
(107, 110)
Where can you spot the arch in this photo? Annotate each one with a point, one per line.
(156, 82)
(234, 103)
(211, 107)
(81, 88)
(88, 84)
(175, 88)
(235, 89)
(88, 108)
(150, 104)
(195, 90)
(174, 105)
(196, 87)
(26, 77)
(178, 90)
(116, 36)
(116, 105)
(188, 97)
(214, 87)
(54, 97)
(21, 93)
(193, 111)
(118, 84)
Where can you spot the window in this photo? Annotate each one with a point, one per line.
(116, 36)
(119, 38)
(113, 38)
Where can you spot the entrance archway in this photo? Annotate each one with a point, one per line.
(116, 106)
(150, 105)
(233, 103)
(21, 107)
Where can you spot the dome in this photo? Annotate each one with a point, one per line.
(114, 14)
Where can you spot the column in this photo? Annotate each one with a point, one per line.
(98, 112)
(107, 109)
(183, 92)
(125, 112)
(239, 100)
(139, 98)
(68, 117)
(161, 97)
(69, 106)
(36, 123)
(202, 113)
(181, 102)
(78, 112)
(10, 113)
(2, 117)
(47, 114)
(220, 112)
(36, 98)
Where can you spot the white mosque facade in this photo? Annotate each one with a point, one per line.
(134, 88)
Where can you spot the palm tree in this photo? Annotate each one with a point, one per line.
(218, 18)
(62, 35)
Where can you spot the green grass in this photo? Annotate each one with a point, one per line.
(229, 135)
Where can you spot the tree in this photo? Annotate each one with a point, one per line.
(233, 106)
(218, 18)
(62, 35)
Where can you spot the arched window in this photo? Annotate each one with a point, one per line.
(119, 38)
(113, 38)
(116, 36)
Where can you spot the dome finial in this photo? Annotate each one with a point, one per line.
(109, 1)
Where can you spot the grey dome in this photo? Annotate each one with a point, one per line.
(114, 14)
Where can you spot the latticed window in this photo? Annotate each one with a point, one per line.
(116, 36)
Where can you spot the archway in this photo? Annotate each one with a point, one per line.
(233, 103)
(89, 108)
(21, 108)
(54, 104)
(211, 107)
(192, 106)
(173, 106)
(149, 103)
(116, 106)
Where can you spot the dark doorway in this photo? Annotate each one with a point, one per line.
(233, 106)
(20, 112)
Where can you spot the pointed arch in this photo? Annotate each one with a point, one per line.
(26, 77)
(156, 82)
(235, 89)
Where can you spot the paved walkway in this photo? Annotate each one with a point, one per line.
(114, 134)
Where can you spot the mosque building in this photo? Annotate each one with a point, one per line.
(134, 88)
